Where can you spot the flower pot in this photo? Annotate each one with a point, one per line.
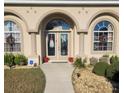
(46, 59)
(71, 59)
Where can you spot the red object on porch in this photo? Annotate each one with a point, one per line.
(46, 59)
(71, 59)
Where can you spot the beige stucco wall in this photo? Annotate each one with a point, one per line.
(81, 15)
(84, 19)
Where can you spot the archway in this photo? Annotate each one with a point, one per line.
(57, 37)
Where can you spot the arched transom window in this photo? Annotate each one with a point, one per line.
(12, 37)
(103, 36)
(58, 23)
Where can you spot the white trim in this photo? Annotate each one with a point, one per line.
(58, 30)
(102, 31)
(61, 2)
(14, 31)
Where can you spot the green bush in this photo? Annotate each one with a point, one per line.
(112, 71)
(9, 59)
(20, 59)
(17, 59)
(117, 58)
(6, 58)
(105, 55)
(78, 63)
(100, 68)
(93, 61)
(114, 59)
(104, 59)
(24, 60)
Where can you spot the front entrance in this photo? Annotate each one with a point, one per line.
(58, 34)
(58, 45)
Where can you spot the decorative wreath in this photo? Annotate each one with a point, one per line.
(102, 38)
(10, 39)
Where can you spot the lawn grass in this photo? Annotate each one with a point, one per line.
(24, 81)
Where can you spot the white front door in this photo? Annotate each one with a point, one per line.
(57, 45)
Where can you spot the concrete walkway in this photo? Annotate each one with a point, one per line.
(58, 77)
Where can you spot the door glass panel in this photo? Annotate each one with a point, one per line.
(51, 44)
(64, 44)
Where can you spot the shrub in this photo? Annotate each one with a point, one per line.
(105, 55)
(6, 58)
(9, 59)
(78, 63)
(112, 71)
(93, 61)
(104, 59)
(114, 59)
(17, 59)
(117, 58)
(20, 59)
(100, 68)
(23, 60)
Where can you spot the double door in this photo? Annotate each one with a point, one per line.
(58, 45)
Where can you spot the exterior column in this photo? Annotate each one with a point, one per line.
(33, 44)
(81, 44)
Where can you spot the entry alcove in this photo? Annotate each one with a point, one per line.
(57, 37)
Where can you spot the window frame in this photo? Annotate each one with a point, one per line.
(103, 31)
(61, 27)
(13, 31)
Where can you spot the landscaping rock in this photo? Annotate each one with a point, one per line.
(88, 82)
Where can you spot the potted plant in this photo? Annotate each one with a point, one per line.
(71, 59)
(45, 59)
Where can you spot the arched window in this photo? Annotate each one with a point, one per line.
(103, 36)
(12, 37)
(58, 23)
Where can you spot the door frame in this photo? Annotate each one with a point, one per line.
(58, 56)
